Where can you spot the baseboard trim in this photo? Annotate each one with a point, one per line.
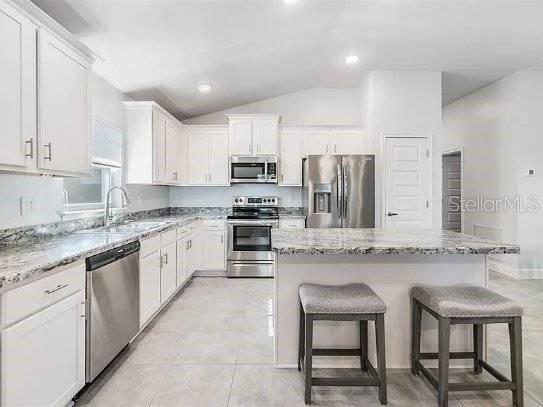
(209, 273)
(514, 272)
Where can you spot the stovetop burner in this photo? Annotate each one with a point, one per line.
(264, 207)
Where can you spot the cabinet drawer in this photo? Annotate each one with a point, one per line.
(32, 297)
(168, 237)
(149, 245)
(291, 223)
(213, 224)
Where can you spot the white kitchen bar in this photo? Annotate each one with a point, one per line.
(390, 262)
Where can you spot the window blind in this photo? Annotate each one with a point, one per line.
(107, 149)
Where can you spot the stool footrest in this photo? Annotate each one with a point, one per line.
(503, 384)
(452, 355)
(336, 352)
(340, 381)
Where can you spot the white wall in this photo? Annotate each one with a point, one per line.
(403, 102)
(107, 106)
(222, 196)
(318, 106)
(500, 129)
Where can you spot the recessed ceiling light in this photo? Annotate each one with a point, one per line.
(204, 87)
(289, 1)
(352, 59)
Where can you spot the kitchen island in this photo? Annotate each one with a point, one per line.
(390, 262)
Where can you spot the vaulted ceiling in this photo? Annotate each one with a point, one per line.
(255, 49)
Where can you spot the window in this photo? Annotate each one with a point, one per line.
(89, 193)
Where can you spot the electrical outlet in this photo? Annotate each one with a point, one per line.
(29, 206)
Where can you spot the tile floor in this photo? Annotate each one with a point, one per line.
(212, 347)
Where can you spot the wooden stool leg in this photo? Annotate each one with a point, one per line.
(477, 347)
(443, 380)
(415, 336)
(301, 333)
(381, 358)
(363, 345)
(308, 357)
(515, 342)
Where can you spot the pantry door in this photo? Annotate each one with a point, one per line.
(407, 182)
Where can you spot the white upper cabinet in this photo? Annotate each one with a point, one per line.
(207, 155)
(338, 141)
(290, 163)
(154, 143)
(240, 134)
(18, 89)
(265, 136)
(45, 99)
(253, 134)
(64, 108)
(316, 141)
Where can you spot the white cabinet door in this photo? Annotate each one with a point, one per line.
(218, 158)
(149, 286)
(64, 108)
(316, 142)
(290, 165)
(183, 154)
(214, 244)
(345, 142)
(195, 252)
(265, 136)
(182, 259)
(198, 158)
(168, 272)
(18, 88)
(171, 151)
(43, 356)
(159, 147)
(241, 136)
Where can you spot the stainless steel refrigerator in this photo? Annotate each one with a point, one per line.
(339, 191)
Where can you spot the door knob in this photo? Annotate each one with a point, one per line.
(392, 214)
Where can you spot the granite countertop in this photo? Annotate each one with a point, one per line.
(27, 262)
(383, 241)
(293, 216)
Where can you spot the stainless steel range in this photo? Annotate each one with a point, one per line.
(249, 236)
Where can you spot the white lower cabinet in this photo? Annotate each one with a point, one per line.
(168, 271)
(149, 286)
(43, 355)
(182, 255)
(291, 223)
(214, 244)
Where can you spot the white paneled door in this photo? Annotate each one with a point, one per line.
(407, 173)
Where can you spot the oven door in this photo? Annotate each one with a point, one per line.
(248, 172)
(250, 240)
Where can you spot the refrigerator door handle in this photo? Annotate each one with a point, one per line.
(345, 189)
(339, 200)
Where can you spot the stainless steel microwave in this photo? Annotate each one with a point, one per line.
(250, 170)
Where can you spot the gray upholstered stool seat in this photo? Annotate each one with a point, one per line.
(354, 298)
(466, 302)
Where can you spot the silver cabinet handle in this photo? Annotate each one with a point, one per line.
(222, 238)
(174, 176)
(250, 148)
(57, 288)
(31, 142)
(209, 177)
(335, 148)
(282, 177)
(392, 214)
(166, 258)
(326, 147)
(187, 245)
(50, 156)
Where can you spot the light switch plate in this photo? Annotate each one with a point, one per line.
(29, 206)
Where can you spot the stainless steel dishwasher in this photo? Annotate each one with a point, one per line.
(112, 305)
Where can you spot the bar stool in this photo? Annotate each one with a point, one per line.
(350, 302)
(476, 306)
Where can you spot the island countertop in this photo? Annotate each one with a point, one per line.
(383, 241)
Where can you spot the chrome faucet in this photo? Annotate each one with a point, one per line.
(107, 217)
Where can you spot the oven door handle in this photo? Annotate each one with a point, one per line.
(253, 222)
